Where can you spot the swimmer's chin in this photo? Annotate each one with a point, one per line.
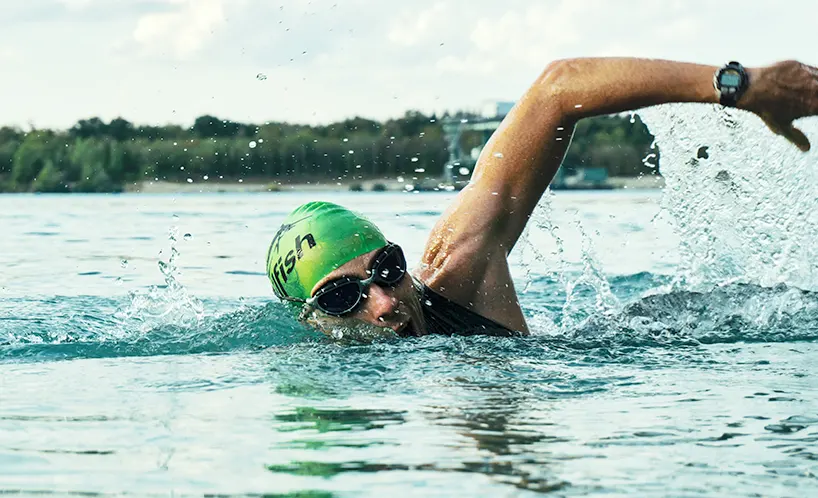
(360, 333)
(344, 331)
(407, 330)
(370, 333)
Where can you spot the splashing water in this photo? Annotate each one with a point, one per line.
(741, 199)
(743, 204)
(649, 382)
(170, 304)
(745, 214)
(543, 233)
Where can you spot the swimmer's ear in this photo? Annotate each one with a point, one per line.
(788, 131)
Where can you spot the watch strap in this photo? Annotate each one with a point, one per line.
(731, 98)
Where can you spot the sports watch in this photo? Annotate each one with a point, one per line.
(731, 81)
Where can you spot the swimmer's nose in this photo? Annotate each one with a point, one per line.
(380, 304)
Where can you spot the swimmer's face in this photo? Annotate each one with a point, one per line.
(396, 308)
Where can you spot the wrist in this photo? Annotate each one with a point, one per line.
(731, 82)
(754, 74)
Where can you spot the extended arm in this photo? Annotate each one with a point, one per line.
(466, 255)
(523, 155)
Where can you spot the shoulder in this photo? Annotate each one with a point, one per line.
(464, 256)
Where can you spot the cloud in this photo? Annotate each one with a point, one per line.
(427, 23)
(171, 60)
(181, 32)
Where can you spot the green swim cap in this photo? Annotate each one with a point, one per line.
(315, 239)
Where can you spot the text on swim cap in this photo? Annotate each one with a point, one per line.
(286, 264)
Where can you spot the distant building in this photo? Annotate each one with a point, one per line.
(496, 109)
(461, 163)
(583, 177)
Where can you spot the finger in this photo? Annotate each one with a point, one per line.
(797, 137)
(789, 132)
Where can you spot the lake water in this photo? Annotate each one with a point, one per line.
(673, 349)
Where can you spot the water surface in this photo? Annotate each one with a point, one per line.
(673, 350)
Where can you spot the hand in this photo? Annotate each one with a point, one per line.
(782, 93)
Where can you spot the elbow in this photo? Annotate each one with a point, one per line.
(554, 86)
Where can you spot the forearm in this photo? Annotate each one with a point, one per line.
(594, 86)
(522, 156)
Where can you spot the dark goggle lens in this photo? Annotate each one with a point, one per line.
(343, 296)
(391, 269)
(341, 299)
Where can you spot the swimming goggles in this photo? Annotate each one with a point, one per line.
(344, 295)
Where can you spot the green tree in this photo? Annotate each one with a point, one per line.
(88, 128)
(29, 158)
(49, 179)
(213, 127)
(121, 130)
(10, 140)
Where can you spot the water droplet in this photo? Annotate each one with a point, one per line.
(188, 236)
(463, 171)
(420, 170)
(346, 140)
(498, 154)
(190, 180)
(206, 177)
(261, 140)
(427, 303)
(578, 106)
(261, 76)
(123, 263)
(414, 159)
(400, 179)
(351, 151)
(175, 216)
(252, 144)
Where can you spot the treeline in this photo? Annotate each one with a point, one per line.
(94, 156)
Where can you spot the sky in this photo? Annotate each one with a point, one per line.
(314, 61)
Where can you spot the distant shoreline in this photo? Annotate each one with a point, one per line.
(163, 187)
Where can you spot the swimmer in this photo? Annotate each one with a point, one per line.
(336, 268)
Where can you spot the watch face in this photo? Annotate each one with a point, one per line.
(730, 79)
